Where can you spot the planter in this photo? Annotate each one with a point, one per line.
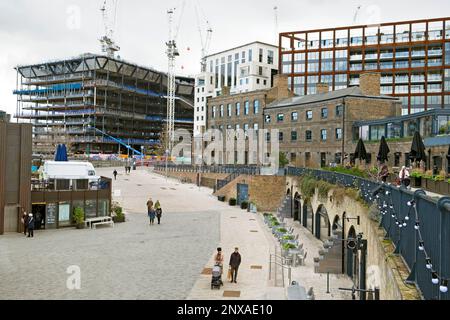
(232, 202)
(417, 182)
(119, 219)
(221, 198)
(431, 185)
(244, 205)
(442, 187)
(80, 225)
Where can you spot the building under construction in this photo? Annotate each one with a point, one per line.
(99, 104)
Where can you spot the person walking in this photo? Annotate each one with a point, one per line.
(235, 261)
(24, 220)
(30, 225)
(404, 176)
(115, 174)
(384, 173)
(158, 211)
(151, 215)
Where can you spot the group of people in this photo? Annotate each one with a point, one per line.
(154, 211)
(235, 262)
(28, 223)
(404, 178)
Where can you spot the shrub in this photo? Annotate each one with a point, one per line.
(323, 189)
(232, 202)
(374, 213)
(416, 173)
(282, 230)
(288, 246)
(244, 204)
(308, 186)
(288, 237)
(78, 215)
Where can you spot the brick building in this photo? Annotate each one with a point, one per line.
(315, 130)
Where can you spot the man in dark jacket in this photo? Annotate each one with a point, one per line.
(30, 225)
(235, 261)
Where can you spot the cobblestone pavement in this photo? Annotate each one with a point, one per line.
(130, 261)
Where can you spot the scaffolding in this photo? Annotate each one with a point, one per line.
(64, 98)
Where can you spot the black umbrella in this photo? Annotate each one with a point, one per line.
(383, 152)
(417, 152)
(360, 152)
(448, 153)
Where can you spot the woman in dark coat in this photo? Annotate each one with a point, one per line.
(30, 225)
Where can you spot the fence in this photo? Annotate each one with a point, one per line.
(249, 170)
(418, 225)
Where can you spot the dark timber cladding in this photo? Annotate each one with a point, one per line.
(412, 56)
(15, 174)
(64, 99)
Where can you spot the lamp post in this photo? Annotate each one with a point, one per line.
(142, 157)
(167, 154)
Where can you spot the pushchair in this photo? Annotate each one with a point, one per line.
(216, 280)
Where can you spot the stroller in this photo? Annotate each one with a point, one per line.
(216, 280)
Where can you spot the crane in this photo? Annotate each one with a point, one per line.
(356, 13)
(205, 40)
(107, 43)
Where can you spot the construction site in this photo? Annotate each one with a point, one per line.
(102, 104)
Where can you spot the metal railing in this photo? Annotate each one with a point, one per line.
(399, 221)
(279, 261)
(171, 167)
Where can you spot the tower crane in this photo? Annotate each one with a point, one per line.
(107, 43)
(172, 52)
(356, 13)
(205, 40)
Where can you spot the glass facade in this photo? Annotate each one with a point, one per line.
(407, 70)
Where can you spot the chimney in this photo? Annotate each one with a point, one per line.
(369, 83)
(322, 88)
(225, 91)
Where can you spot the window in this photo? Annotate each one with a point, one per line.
(376, 132)
(293, 135)
(280, 117)
(245, 127)
(256, 127)
(267, 136)
(257, 81)
(250, 55)
(243, 57)
(308, 135)
(221, 110)
(270, 56)
(261, 55)
(309, 115)
(246, 107)
(260, 71)
(324, 113)
(294, 116)
(323, 134)
(229, 110)
(280, 136)
(338, 133)
(214, 112)
(339, 110)
(238, 108)
(256, 106)
(267, 118)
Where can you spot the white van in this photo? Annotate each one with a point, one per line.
(72, 172)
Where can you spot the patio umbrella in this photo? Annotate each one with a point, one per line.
(448, 153)
(417, 152)
(63, 153)
(58, 153)
(383, 152)
(360, 152)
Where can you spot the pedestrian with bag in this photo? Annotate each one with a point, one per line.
(235, 262)
(158, 211)
(115, 174)
(24, 221)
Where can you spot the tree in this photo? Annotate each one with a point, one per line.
(283, 160)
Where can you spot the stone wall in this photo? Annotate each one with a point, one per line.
(384, 270)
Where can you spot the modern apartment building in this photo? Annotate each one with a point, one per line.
(413, 58)
(98, 104)
(242, 69)
(4, 117)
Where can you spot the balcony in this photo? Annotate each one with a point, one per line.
(356, 57)
(386, 80)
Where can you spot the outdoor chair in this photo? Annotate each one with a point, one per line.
(310, 294)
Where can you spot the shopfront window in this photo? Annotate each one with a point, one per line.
(394, 130)
(90, 209)
(443, 125)
(103, 208)
(64, 214)
(376, 132)
(426, 125)
(410, 128)
(364, 133)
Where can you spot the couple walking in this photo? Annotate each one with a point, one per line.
(28, 224)
(154, 211)
(235, 262)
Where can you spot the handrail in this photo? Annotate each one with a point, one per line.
(280, 264)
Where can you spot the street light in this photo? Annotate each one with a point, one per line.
(167, 154)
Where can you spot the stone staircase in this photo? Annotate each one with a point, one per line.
(330, 257)
(285, 209)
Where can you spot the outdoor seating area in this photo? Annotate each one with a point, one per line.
(297, 292)
(92, 223)
(292, 251)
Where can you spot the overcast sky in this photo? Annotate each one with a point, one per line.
(33, 31)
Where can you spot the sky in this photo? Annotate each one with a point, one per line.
(34, 31)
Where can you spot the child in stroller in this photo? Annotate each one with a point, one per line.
(216, 280)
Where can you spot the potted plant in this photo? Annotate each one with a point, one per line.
(244, 205)
(232, 201)
(441, 184)
(430, 184)
(119, 216)
(416, 176)
(78, 217)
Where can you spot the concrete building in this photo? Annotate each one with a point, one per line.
(250, 67)
(66, 99)
(412, 56)
(15, 174)
(4, 117)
